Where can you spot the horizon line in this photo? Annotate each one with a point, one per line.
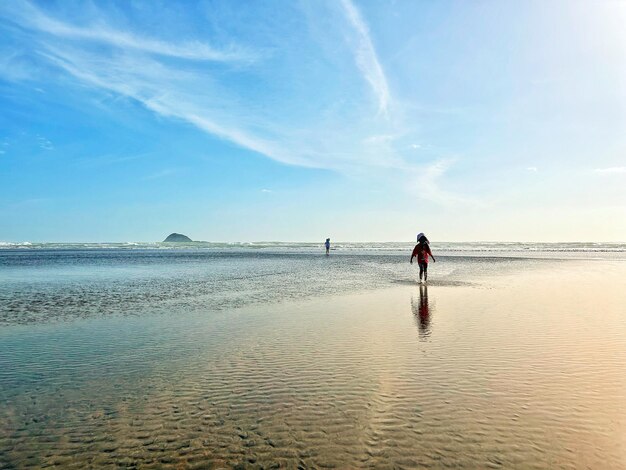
(313, 241)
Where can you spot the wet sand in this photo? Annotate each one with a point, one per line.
(521, 370)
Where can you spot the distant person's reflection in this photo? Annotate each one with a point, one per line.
(422, 312)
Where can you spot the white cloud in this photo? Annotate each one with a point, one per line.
(534, 169)
(170, 93)
(264, 190)
(163, 91)
(366, 57)
(198, 95)
(193, 96)
(425, 183)
(44, 143)
(30, 16)
(104, 160)
(161, 174)
(615, 169)
(378, 139)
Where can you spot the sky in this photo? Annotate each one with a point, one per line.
(296, 121)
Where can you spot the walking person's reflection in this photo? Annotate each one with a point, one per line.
(421, 310)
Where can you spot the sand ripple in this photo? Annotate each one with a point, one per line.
(516, 376)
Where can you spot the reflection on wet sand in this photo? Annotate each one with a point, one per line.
(421, 310)
(340, 381)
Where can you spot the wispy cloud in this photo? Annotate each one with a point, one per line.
(30, 16)
(13, 66)
(174, 94)
(238, 136)
(44, 143)
(378, 139)
(426, 184)
(211, 97)
(366, 57)
(615, 169)
(193, 96)
(264, 190)
(161, 174)
(533, 169)
(161, 90)
(105, 160)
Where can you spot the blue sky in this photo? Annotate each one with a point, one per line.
(294, 121)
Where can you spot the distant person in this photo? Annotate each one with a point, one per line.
(327, 245)
(422, 251)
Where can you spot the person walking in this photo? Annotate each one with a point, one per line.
(422, 252)
(327, 245)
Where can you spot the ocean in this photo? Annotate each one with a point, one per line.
(51, 282)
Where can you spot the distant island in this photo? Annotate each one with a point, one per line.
(177, 237)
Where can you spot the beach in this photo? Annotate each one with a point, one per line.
(349, 234)
(282, 358)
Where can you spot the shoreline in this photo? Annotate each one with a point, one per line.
(135, 286)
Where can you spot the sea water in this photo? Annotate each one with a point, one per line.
(52, 282)
(206, 355)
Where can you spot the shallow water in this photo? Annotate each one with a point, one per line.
(501, 363)
(53, 285)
